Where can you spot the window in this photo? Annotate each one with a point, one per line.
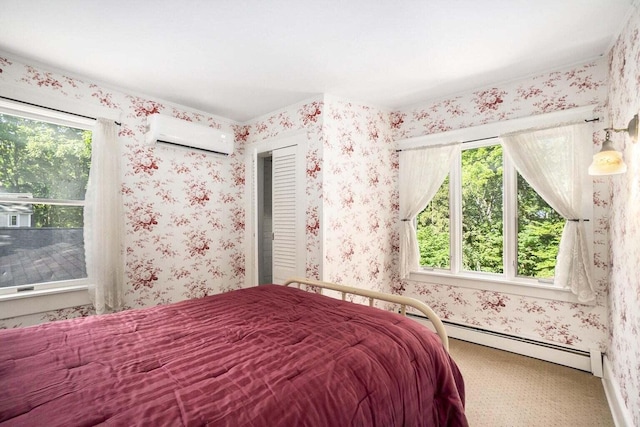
(432, 229)
(487, 222)
(44, 168)
(512, 243)
(539, 229)
(482, 207)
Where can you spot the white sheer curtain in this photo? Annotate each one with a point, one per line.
(422, 172)
(103, 221)
(555, 162)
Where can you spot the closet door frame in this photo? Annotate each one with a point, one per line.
(253, 151)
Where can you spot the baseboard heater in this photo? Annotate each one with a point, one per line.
(590, 361)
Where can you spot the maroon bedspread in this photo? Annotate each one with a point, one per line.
(263, 356)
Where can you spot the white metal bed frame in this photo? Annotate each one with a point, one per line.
(381, 296)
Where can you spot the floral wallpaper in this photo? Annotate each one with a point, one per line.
(544, 93)
(573, 325)
(351, 195)
(360, 196)
(624, 220)
(184, 211)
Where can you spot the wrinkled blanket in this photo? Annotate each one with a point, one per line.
(262, 356)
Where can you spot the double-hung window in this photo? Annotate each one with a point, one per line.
(44, 168)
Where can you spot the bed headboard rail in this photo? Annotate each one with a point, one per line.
(403, 301)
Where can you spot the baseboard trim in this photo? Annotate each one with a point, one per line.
(619, 412)
(582, 360)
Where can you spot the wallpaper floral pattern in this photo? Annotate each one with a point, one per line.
(184, 210)
(351, 194)
(544, 93)
(360, 196)
(573, 325)
(624, 293)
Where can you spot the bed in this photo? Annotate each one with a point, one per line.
(270, 355)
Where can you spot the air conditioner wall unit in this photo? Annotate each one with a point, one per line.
(169, 130)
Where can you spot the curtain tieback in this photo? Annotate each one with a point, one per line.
(577, 220)
(405, 220)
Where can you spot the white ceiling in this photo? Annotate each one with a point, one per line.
(244, 58)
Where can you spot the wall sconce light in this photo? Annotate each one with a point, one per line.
(608, 161)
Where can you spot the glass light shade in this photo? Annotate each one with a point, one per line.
(608, 161)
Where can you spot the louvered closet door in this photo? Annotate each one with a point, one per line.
(284, 214)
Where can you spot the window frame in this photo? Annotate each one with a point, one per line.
(478, 279)
(45, 296)
(509, 282)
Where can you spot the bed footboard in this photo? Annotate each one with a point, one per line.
(381, 296)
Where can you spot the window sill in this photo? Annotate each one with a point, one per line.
(40, 301)
(491, 283)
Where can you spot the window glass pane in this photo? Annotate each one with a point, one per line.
(51, 216)
(43, 159)
(539, 231)
(482, 228)
(41, 243)
(52, 249)
(432, 228)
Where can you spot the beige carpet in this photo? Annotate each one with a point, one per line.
(506, 389)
